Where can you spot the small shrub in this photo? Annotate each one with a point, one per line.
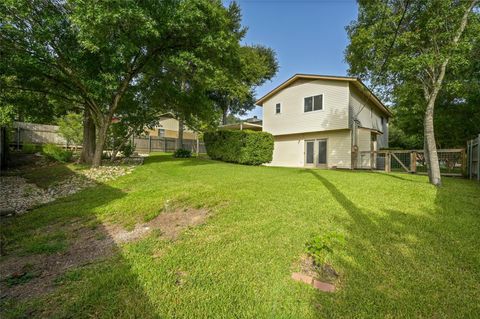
(243, 147)
(57, 153)
(29, 148)
(127, 149)
(322, 248)
(182, 153)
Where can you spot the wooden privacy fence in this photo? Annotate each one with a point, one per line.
(30, 133)
(166, 144)
(452, 161)
(473, 158)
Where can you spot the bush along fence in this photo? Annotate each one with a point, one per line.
(243, 147)
(452, 161)
(473, 158)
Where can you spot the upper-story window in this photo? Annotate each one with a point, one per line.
(161, 132)
(313, 103)
(278, 108)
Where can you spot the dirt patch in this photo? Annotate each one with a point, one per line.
(324, 272)
(23, 277)
(170, 224)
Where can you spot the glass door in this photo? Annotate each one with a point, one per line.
(322, 152)
(309, 152)
(316, 153)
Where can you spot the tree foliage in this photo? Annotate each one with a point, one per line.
(71, 128)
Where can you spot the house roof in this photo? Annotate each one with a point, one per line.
(355, 81)
(242, 126)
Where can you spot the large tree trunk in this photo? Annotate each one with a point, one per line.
(431, 155)
(88, 145)
(224, 116)
(102, 129)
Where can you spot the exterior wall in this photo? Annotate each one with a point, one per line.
(289, 150)
(368, 115)
(293, 119)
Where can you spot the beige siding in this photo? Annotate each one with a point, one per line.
(171, 127)
(289, 150)
(368, 115)
(293, 119)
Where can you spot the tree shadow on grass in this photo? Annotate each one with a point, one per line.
(166, 157)
(63, 260)
(404, 264)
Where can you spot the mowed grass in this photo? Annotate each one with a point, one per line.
(412, 250)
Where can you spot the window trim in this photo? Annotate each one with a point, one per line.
(280, 111)
(313, 103)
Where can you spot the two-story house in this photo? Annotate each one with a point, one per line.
(324, 121)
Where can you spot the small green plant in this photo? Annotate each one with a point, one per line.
(57, 153)
(127, 149)
(28, 148)
(322, 248)
(182, 153)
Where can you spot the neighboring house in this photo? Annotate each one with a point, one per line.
(253, 123)
(169, 127)
(324, 121)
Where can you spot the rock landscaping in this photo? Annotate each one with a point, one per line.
(18, 195)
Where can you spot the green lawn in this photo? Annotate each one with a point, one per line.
(411, 250)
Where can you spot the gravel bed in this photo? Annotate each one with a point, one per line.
(18, 196)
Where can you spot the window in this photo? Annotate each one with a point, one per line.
(278, 108)
(313, 103)
(161, 132)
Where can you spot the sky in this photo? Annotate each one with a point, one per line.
(308, 35)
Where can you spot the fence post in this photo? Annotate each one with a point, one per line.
(198, 146)
(413, 162)
(478, 158)
(165, 144)
(387, 162)
(464, 162)
(149, 143)
(18, 138)
(469, 159)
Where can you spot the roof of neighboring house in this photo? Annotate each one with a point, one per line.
(242, 126)
(355, 81)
